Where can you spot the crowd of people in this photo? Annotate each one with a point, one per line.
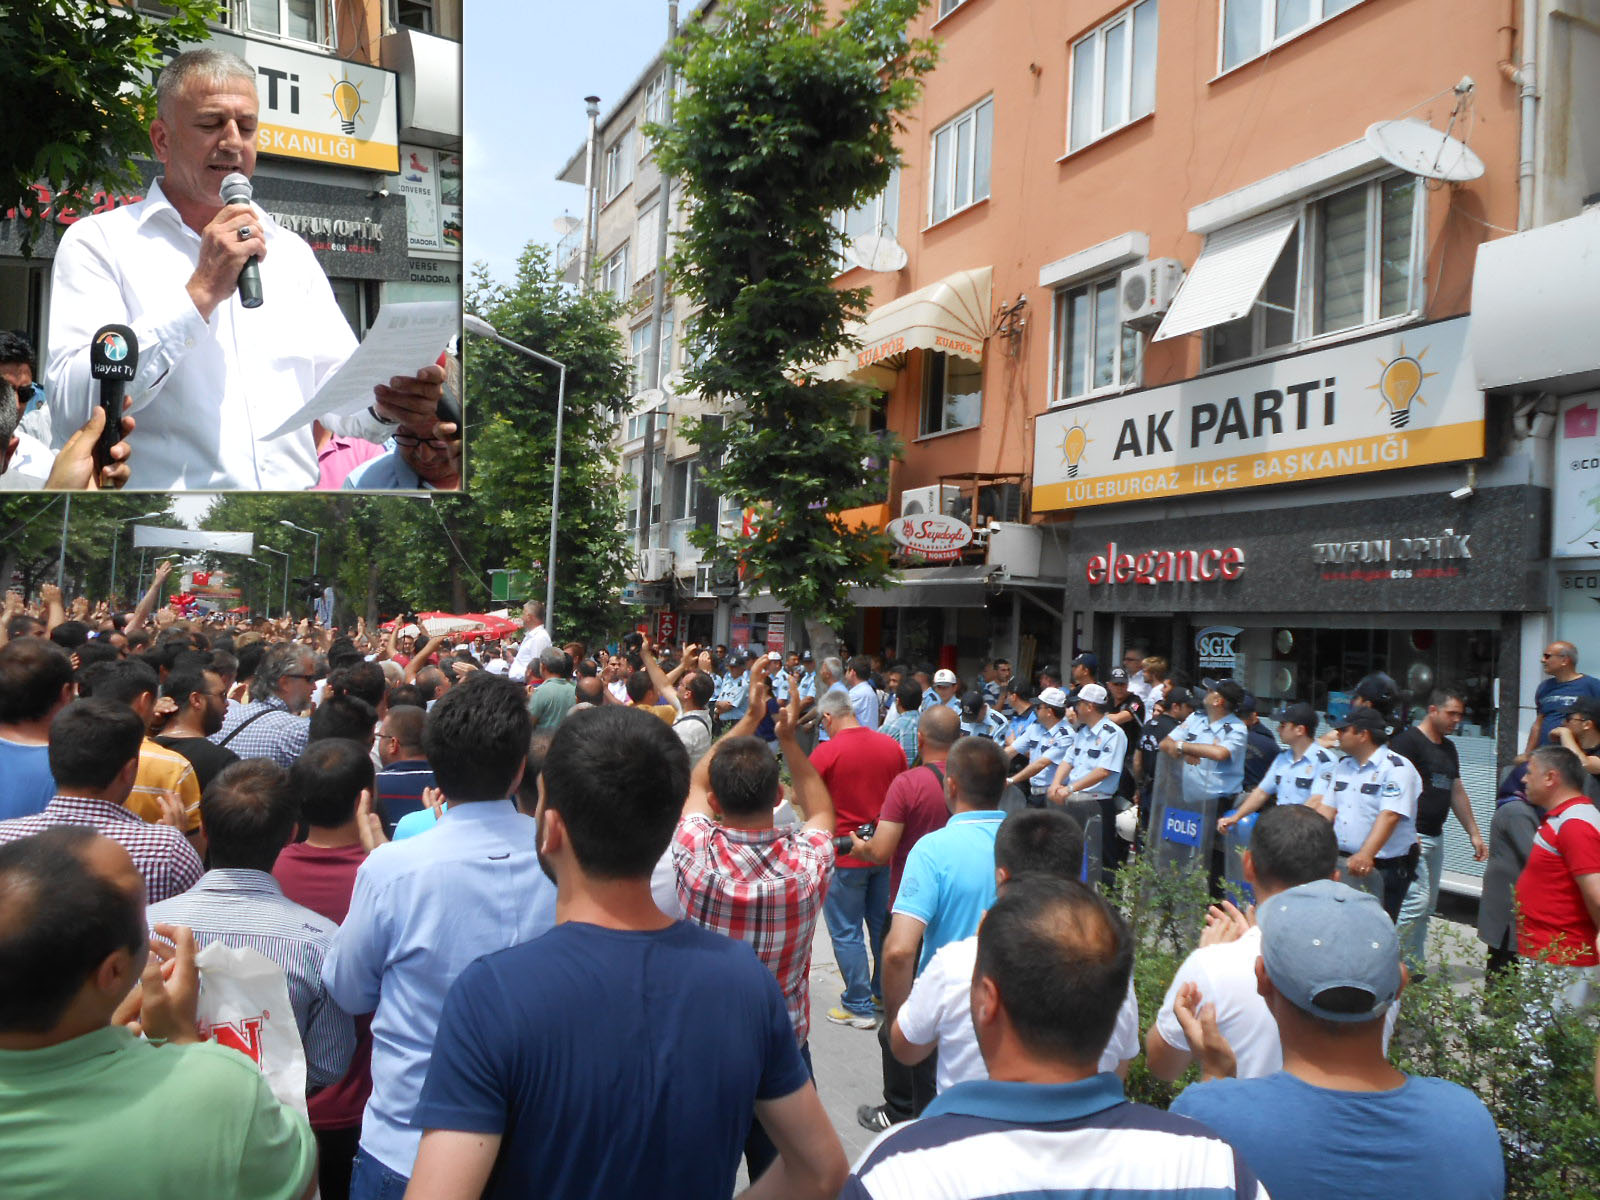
(544, 917)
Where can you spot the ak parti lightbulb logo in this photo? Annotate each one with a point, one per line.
(1073, 445)
(1400, 384)
(347, 101)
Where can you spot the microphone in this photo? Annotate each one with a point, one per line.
(113, 358)
(236, 190)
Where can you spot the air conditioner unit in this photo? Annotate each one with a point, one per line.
(996, 502)
(1147, 291)
(937, 498)
(654, 564)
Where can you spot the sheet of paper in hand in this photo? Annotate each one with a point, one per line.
(405, 338)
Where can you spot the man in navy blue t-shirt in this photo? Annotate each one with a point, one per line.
(623, 1053)
(1563, 688)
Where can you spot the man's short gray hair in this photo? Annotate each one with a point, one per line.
(534, 608)
(286, 658)
(834, 667)
(835, 704)
(208, 64)
(555, 662)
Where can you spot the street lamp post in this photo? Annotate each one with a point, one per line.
(316, 544)
(268, 566)
(285, 556)
(111, 583)
(477, 325)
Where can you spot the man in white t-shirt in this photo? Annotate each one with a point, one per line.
(1292, 844)
(937, 1015)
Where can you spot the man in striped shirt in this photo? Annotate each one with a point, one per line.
(249, 815)
(1053, 966)
(94, 758)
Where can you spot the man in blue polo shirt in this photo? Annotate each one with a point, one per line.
(947, 885)
(1053, 965)
(398, 788)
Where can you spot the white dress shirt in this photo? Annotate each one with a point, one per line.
(206, 394)
(533, 644)
(30, 466)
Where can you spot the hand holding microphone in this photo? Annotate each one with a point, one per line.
(231, 246)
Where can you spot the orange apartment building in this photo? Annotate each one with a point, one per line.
(1211, 372)
(1206, 355)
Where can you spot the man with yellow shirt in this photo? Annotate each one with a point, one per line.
(161, 771)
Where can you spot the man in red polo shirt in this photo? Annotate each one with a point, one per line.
(858, 765)
(1558, 893)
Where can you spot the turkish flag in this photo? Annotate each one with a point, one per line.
(202, 578)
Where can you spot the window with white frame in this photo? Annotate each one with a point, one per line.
(297, 20)
(1094, 350)
(961, 153)
(668, 320)
(683, 489)
(946, 7)
(646, 236)
(632, 488)
(655, 106)
(614, 275)
(643, 336)
(879, 215)
(952, 392)
(617, 169)
(1252, 27)
(1113, 75)
(639, 423)
(658, 471)
(1350, 261)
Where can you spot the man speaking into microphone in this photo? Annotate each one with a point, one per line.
(215, 376)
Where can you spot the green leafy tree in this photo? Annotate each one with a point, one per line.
(789, 114)
(81, 104)
(513, 402)
(30, 540)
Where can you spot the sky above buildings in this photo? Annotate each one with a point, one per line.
(529, 64)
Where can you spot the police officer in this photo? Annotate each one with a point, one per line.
(1019, 700)
(945, 689)
(1298, 773)
(1211, 744)
(733, 697)
(1372, 801)
(1086, 783)
(1045, 745)
(979, 720)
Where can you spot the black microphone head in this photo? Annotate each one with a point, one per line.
(114, 353)
(235, 189)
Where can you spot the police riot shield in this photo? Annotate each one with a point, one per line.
(1181, 830)
(1371, 882)
(1234, 844)
(1087, 814)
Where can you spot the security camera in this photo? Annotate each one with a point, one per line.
(1461, 493)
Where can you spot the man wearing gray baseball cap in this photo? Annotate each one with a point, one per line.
(1338, 1120)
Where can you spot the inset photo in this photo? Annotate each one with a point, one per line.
(251, 280)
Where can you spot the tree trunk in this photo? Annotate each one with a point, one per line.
(824, 641)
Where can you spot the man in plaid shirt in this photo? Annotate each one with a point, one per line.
(94, 758)
(902, 727)
(269, 727)
(740, 876)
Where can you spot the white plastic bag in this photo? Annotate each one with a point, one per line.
(244, 1003)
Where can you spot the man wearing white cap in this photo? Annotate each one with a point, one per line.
(1086, 780)
(1338, 1120)
(1045, 744)
(946, 683)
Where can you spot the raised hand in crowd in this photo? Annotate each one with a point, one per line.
(1225, 923)
(165, 1002)
(1199, 1022)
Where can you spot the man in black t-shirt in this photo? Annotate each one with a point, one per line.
(1428, 747)
(199, 702)
(1260, 747)
(1127, 710)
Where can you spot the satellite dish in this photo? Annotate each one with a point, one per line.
(674, 382)
(648, 398)
(565, 224)
(1418, 148)
(878, 252)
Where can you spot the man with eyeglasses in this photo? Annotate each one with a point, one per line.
(269, 726)
(1564, 686)
(414, 464)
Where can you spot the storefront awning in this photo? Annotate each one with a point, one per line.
(1534, 299)
(952, 316)
(1229, 274)
(955, 586)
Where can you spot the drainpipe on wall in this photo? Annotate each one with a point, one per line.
(590, 187)
(1524, 28)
